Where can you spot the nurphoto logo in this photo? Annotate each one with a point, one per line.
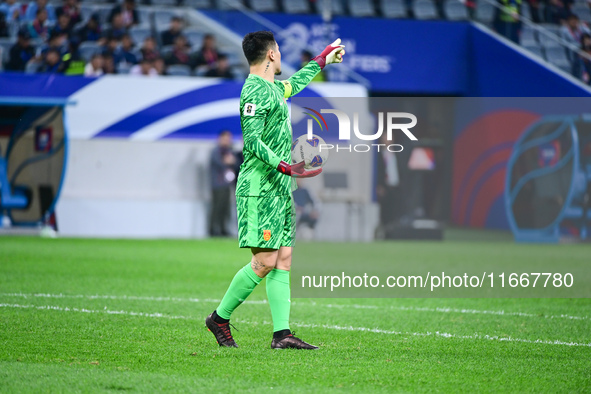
(392, 120)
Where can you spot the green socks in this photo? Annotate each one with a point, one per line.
(279, 295)
(242, 285)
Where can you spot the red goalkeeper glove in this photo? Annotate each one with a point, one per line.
(297, 170)
(331, 54)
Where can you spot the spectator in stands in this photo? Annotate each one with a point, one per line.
(51, 62)
(582, 66)
(118, 28)
(124, 53)
(94, 68)
(63, 25)
(21, 52)
(72, 61)
(175, 30)
(109, 64)
(128, 13)
(57, 40)
(38, 28)
(159, 66)
(144, 68)
(223, 166)
(222, 69)
(507, 21)
(180, 52)
(110, 46)
(13, 13)
(91, 31)
(3, 26)
(573, 30)
(306, 57)
(72, 9)
(37, 5)
(208, 54)
(534, 10)
(149, 49)
(557, 11)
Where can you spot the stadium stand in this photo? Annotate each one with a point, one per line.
(394, 9)
(424, 9)
(546, 39)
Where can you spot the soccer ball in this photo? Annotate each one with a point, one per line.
(309, 151)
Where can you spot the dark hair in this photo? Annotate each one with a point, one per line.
(255, 45)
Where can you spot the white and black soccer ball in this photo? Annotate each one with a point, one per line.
(308, 150)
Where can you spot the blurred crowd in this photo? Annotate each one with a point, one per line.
(59, 40)
(559, 17)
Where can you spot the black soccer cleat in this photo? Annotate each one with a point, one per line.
(221, 332)
(291, 342)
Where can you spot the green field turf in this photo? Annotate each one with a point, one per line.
(124, 315)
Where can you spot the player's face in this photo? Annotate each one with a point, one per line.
(277, 60)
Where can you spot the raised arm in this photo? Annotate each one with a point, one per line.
(333, 53)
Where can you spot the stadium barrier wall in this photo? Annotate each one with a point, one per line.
(139, 148)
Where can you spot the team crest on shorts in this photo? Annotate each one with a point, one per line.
(266, 235)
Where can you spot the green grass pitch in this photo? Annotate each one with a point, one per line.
(82, 315)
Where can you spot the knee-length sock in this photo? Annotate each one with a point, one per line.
(279, 296)
(241, 287)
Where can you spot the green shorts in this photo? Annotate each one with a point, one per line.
(266, 222)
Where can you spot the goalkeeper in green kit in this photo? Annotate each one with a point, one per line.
(266, 216)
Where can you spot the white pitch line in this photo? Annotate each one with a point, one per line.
(123, 297)
(306, 325)
(337, 306)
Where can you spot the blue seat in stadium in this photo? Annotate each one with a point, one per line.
(103, 11)
(528, 37)
(583, 12)
(336, 6)
(179, 70)
(165, 3)
(229, 4)
(485, 12)
(139, 34)
(8, 199)
(536, 50)
(361, 8)
(424, 9)
(194, 36)
(87, 49)
(162, 18)
(394, 8)
(455, 11)
(264, 5)
(145, 15)
(86, 10)
(197, 3)
(296, 6)
(557, 56)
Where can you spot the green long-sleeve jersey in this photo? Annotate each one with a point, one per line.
(266, 129)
